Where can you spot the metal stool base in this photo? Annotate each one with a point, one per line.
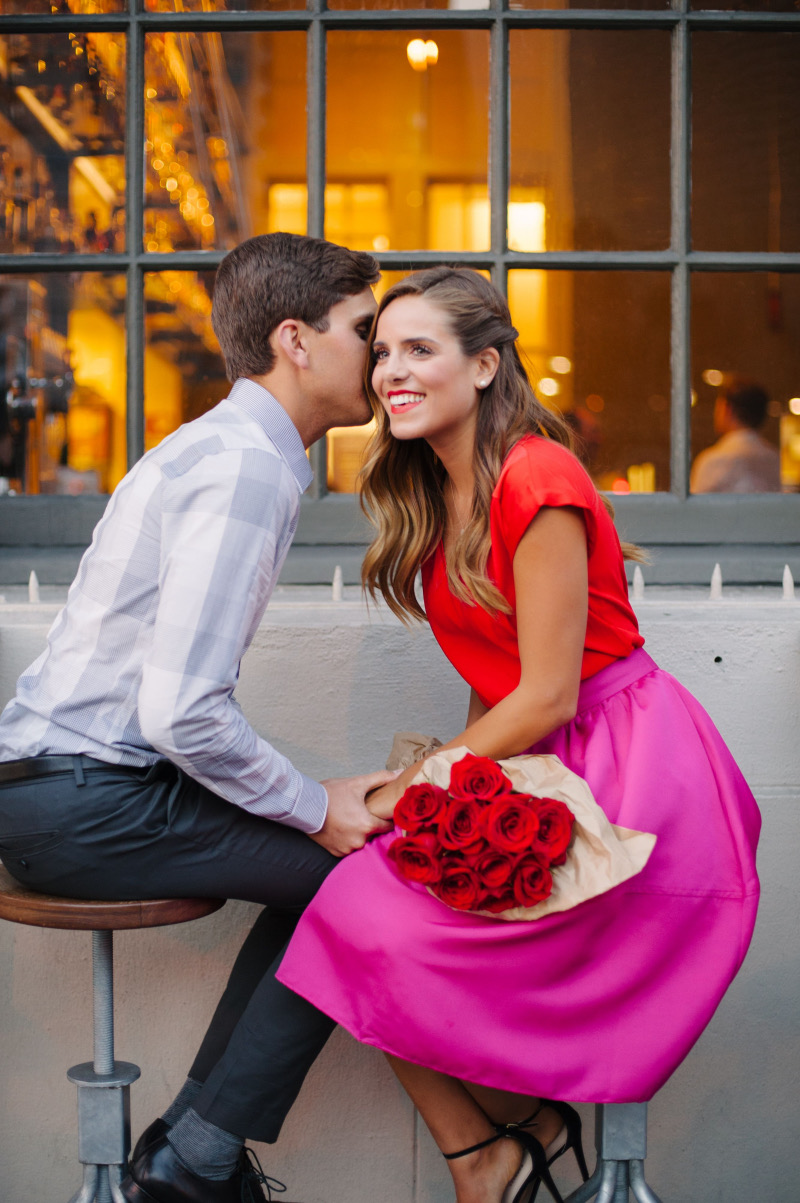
(611, 1183)
(104, 1124)
(621, 1142)
(100, 1185)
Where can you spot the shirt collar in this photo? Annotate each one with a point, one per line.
(265, 409)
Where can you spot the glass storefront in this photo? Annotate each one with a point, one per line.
(635, 188)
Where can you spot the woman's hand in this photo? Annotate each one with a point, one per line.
(381, 802)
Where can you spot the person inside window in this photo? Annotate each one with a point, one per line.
(741, 460)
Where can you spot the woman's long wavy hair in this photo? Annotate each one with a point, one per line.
(402, 481)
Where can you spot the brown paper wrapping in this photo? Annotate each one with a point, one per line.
(601, 854)
(409, 747)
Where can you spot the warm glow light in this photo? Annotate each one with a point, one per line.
(595, 403)
(713, 377)
(172, 184)
(620, 486)
(526, 225)
(422, 55)
(206, 220)
(642, 478)
(151, 93)
(548, 386)
(794, 405)
(560, 364)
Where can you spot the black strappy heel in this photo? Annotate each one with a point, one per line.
(572, 1127)
(534, 1169)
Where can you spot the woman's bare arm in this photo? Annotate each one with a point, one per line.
(476, 708)
(551, 582)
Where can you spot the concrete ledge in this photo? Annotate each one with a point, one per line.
(329, 683)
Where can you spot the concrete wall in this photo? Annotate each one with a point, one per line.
(329, 685)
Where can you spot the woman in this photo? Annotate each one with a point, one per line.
(469, 478)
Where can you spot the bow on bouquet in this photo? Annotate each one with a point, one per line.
(515, 839)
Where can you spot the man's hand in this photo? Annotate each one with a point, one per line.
(348, 824)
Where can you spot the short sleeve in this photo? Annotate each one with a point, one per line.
(539, 472)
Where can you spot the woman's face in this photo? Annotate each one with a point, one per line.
(428, 387)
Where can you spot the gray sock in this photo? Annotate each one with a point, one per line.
(206, 1150)
(183, 1101)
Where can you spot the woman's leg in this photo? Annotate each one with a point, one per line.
(503, 1107)
(456, 1121)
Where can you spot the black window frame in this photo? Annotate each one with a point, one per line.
(688, 533)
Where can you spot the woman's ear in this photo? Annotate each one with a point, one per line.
(487, 362)
(290, 342)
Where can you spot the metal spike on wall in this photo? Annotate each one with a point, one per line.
(788, 584)
(336, 589)
(638, 584)
(716, 584)
(33, 588)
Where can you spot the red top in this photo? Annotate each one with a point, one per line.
(483, 648)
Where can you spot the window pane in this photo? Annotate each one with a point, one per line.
(62, 383)
(596, 345)
(62, 142)
(412, 171)
(779, 6)
(746, 142)
(400, 4)
(83, 7)
(630, 4)
(226, 136)
(220, 6)
(184, 374)
(590, 137)
(746, 325)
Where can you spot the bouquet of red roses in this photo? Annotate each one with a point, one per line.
(479, 844)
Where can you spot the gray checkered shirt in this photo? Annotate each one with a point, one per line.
(142, 662)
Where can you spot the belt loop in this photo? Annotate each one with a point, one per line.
(77, 768)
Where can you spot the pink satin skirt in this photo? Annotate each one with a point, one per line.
(597, 1004)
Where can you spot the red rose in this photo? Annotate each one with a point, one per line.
(477, 777)
(494, 869)
(419, 807)
(498, 902)
(533, 881)
(510, 823)
(461, 826)
(555, 828)
(417, 857)
(458, 886)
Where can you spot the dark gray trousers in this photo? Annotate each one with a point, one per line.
(155, 833)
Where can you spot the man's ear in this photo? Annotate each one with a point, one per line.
(289, 339)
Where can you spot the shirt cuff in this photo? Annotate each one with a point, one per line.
(311, 808)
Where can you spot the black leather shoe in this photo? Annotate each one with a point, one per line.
(159, 1176)
(154, 1132)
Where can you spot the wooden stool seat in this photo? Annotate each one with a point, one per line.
(20, 905)
(104, 1130)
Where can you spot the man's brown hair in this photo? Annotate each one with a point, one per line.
(272, 277)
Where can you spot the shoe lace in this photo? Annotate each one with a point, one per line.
(254, 1174)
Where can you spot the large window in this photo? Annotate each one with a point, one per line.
(628, 173)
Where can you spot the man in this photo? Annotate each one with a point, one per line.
(126, 767)
(741, 461)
